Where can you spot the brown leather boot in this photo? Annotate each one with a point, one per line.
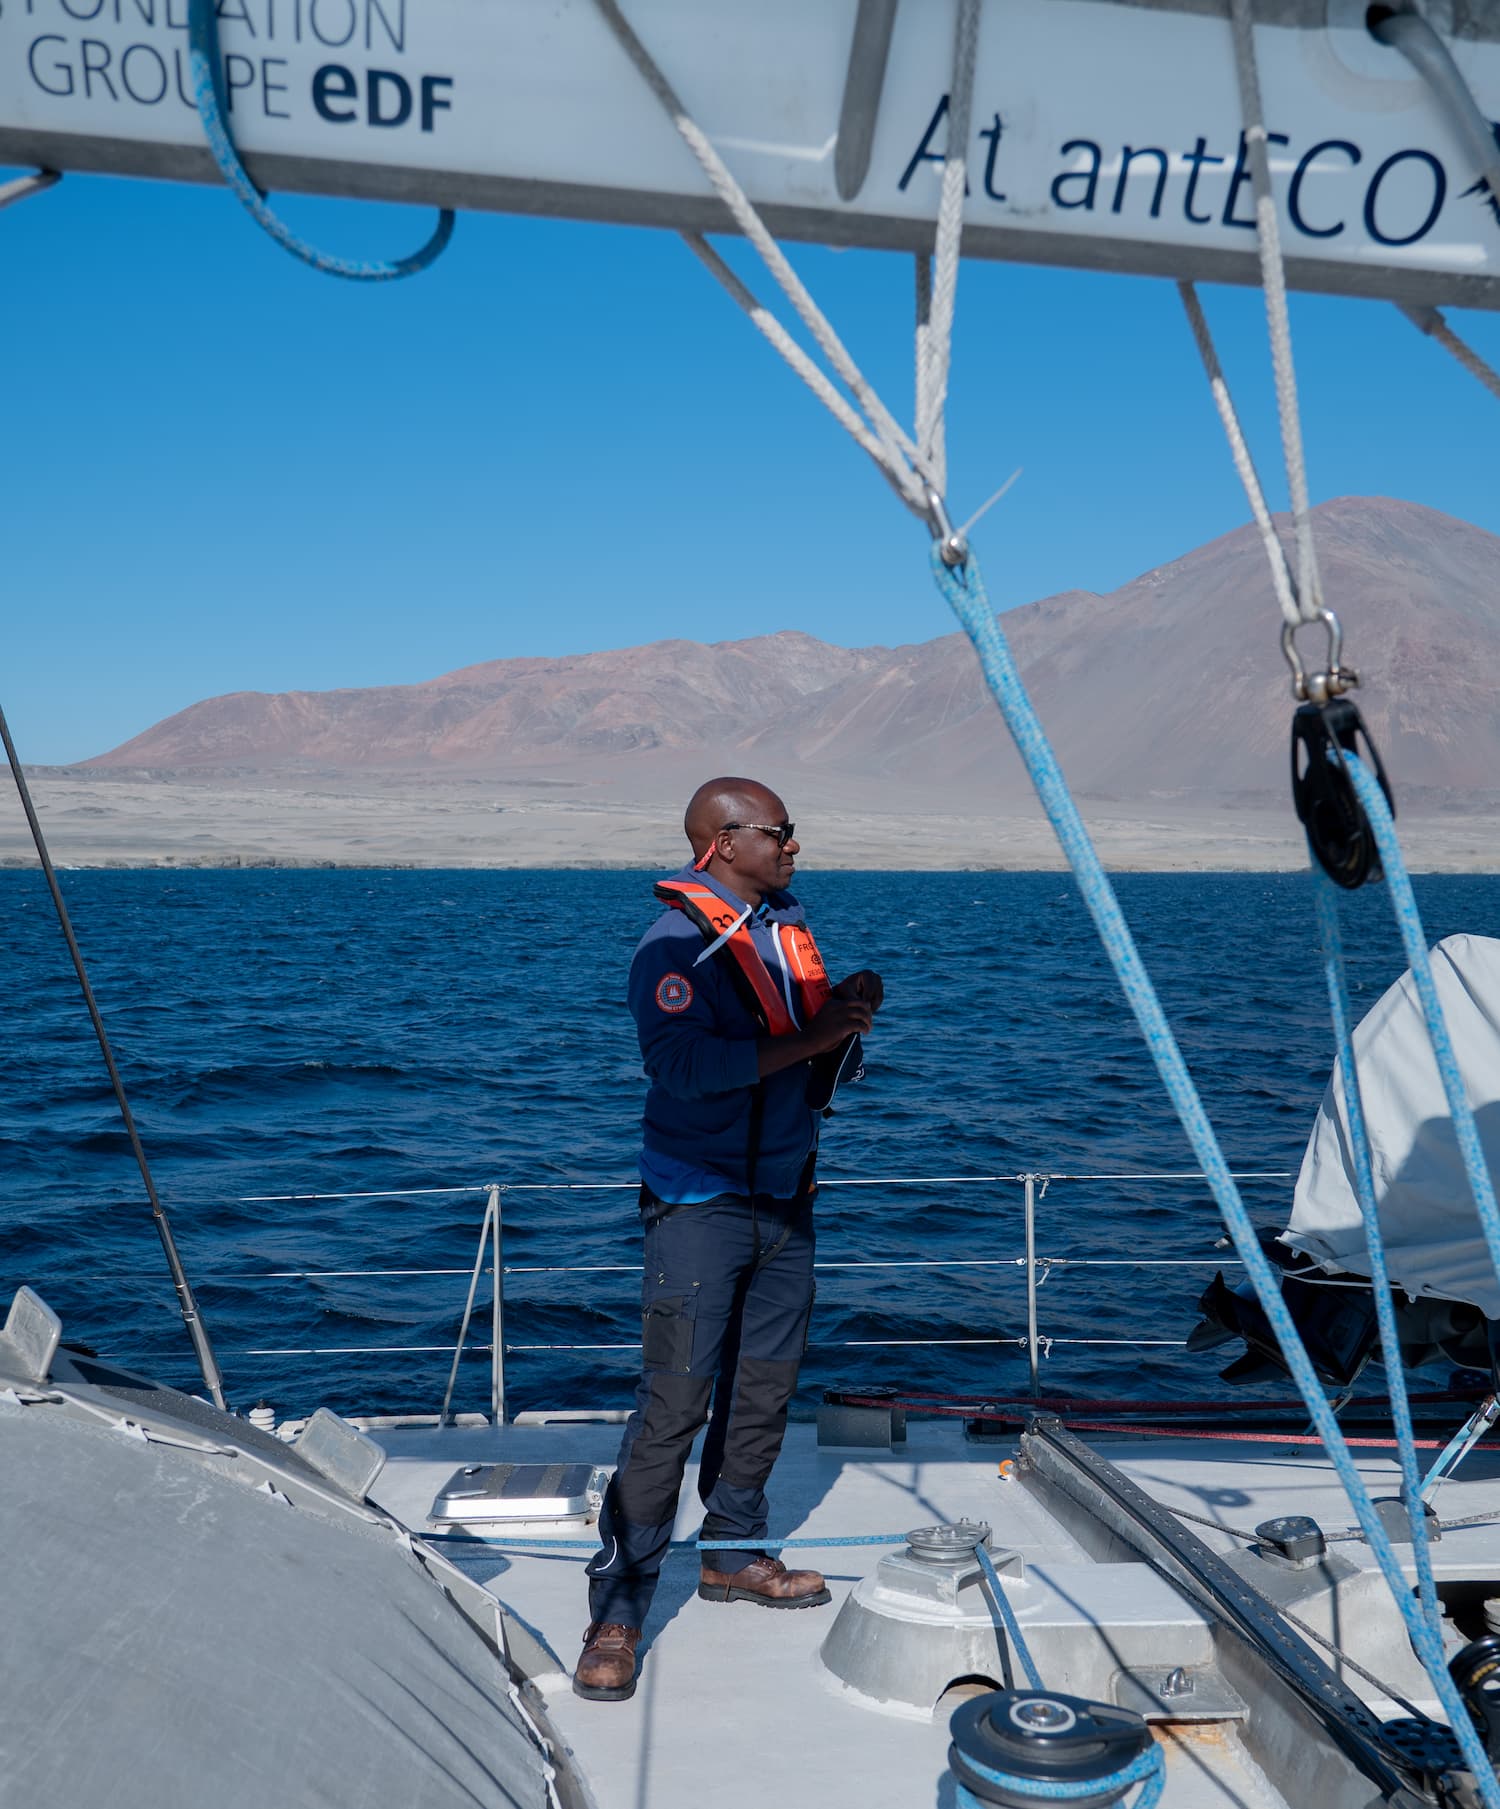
(605, 1671)
(767, 1581)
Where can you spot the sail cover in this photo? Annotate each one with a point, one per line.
(176, 1637)
(1428, 1219)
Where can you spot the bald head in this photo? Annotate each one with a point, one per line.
(721, 801)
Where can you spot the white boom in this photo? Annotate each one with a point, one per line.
(1107, 133)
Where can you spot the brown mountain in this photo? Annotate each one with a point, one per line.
(1171, 687)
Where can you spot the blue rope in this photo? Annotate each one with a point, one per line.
(1327, 895)
(1414, 939)
(208, 92)
(1148, 1766)
(963, 589)
(679, 1544)
(1008, 1615)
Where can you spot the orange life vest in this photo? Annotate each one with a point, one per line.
(729, 929)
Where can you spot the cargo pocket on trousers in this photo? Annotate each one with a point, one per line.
(667, 1334)
(812, 1301)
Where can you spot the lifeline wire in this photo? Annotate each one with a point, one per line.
(964, 590)
(209, 96)
(187, 1305)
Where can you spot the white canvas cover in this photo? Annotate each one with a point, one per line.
(1427, 1215)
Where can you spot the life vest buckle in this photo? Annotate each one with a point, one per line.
(1328, 807)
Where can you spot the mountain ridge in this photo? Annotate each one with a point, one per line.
(1170, 686)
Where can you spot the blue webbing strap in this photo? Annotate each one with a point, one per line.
(1380, 1281)
(212, 103)
(963, 589)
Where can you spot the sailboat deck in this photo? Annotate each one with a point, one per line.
(734, 1705)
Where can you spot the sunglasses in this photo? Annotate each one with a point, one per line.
(782, 831)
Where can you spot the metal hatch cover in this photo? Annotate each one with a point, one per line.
(519, 1492)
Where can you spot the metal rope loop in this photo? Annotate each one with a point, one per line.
(1334, 679)
(208, 94)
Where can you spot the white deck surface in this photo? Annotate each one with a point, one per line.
(733, 1706)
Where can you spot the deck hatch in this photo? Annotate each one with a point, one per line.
(559, 1491)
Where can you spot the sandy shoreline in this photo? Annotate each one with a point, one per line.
(141, 820)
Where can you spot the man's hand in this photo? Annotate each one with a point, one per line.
(866, 985)
(842, 1016)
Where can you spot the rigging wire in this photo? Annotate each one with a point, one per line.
(1239, 450)
(186, 1303)
(1430, 322)
(936, 344)
(19, 188)
(901, 460)
(1278, 320)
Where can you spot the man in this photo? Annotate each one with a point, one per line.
(743, 1041)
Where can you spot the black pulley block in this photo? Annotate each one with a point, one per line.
(1044, 1738)
(1338, 831)
(1476, 1671)
(1426, 1747)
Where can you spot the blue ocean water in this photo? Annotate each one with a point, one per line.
(336, 1032)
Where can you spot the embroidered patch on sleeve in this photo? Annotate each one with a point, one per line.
(675, 993)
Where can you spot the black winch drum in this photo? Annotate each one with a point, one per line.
(1044, 1738)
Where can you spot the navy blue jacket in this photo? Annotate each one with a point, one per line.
(698, 1044)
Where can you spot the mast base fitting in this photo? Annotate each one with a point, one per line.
(1328, 807)
(1011, 1739)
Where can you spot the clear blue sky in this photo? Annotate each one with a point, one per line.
(225, 472)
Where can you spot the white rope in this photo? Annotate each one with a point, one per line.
(932, 388)
(1278, 321)
(21, 188)
(902, 462)
(1431, 322)
(924, 328)
(1244, 464)
(816, 380)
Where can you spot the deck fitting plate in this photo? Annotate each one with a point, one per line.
(1155, 1691)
